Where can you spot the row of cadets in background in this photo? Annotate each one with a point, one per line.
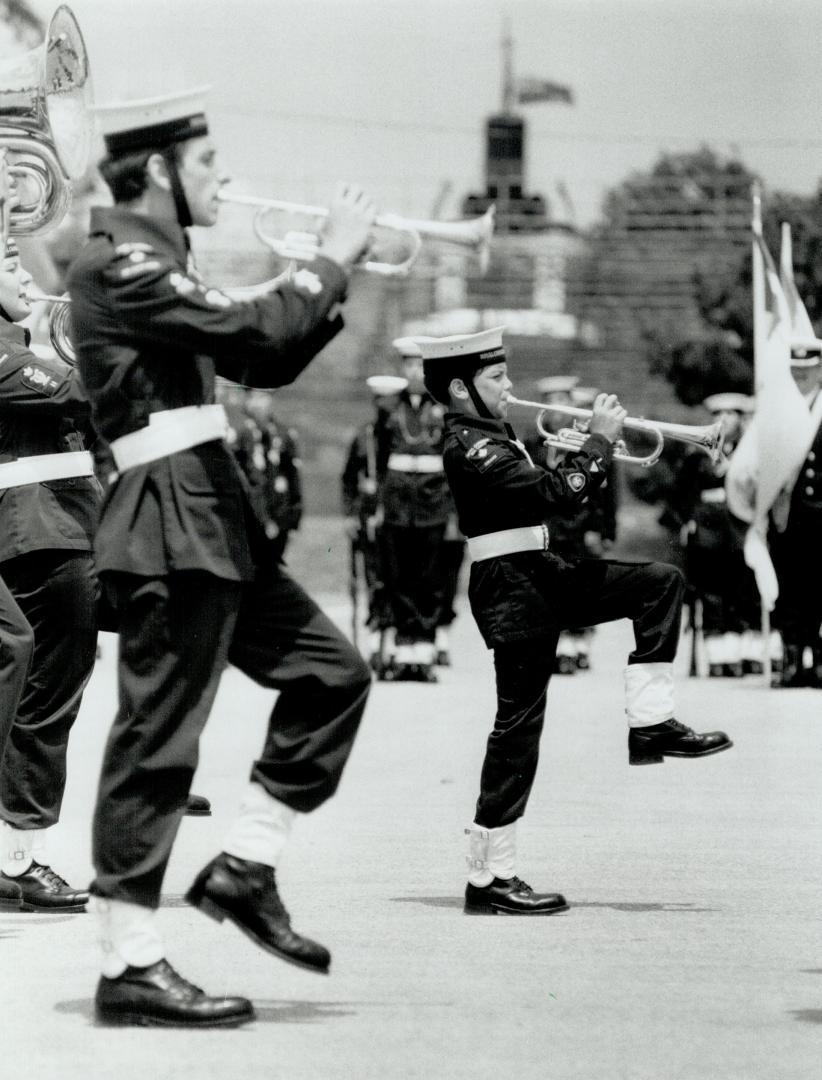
(267, 452)
(402, 524)
(588, 529)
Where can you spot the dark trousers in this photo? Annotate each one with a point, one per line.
(650, 594)
(16, 648)
(415, 579)
(57, 592)
(796, 557)
(177, 633)
(453, 553)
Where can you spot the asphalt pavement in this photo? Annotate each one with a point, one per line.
(691, 951)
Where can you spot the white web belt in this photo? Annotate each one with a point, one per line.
(39, 468)
(168, 432)
(415, 463)
(508, 542)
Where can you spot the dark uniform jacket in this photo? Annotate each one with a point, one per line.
(496, 486)
(412, 498)
(807, 491)
(150, 336)
(359, 477)
(596, 513)
(700, 502)
(268, 455)
(43, 410)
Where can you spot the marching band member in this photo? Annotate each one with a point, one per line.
(184, 558)
(796, 536)
(48, 510)
(522, 595)
(415, 505)
(714, 563)
(585, 530)
(363, 512)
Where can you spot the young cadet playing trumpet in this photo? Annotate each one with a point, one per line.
(522, 595)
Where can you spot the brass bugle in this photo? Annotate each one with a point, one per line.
(707, 437)
(58, 322)
(472, 233)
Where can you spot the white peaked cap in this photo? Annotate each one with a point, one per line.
(557, 384)
(805, 351)
(486, 345)
(148, 122)
(383, 385)
(729, 402)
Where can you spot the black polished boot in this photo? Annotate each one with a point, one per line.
(511, 897)
(11, 898)
(246, 893)
(649, 745)
(197, 806)
(44, 890)
(792, 672)
(158, 996)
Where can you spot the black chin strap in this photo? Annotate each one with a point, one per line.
(5, 314)
(180, 200)
(478, 403)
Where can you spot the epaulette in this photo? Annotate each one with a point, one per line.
(135, 259)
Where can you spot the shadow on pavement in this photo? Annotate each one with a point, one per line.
(457, 901)
(300, 1012)
(807, 1016)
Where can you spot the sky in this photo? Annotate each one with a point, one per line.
(393, 94)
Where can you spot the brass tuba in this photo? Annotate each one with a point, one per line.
(45, 123)
(301, 244)
(707, 437)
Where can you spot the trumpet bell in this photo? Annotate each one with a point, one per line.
(45, 123)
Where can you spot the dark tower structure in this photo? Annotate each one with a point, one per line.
(505, 164)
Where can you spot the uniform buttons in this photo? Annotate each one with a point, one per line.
(809, 490)
(810, 472)
(811, 456)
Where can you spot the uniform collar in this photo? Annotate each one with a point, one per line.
(10, 331)
(121, 224)
(480, 423)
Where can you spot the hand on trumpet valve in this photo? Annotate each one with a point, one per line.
(348, 228)
(607, 417)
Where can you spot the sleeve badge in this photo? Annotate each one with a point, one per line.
(576, 481)
(307, 281)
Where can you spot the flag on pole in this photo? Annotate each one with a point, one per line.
(770, 454)
(530, 90)
(801, 326)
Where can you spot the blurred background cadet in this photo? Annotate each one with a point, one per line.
(363, 513)
(587, 531)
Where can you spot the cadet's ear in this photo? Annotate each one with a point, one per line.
(157, 172)
(458, 389)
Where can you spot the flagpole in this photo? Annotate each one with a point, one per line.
(758, 281)
(507, 44)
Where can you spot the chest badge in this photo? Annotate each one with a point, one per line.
(576, 481)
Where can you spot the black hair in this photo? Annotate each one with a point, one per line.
(126, 173)
(438, 378)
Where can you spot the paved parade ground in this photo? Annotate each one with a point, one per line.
(692, 949)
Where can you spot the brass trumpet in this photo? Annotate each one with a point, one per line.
(58, 323)
(707, 437)
(473, 233)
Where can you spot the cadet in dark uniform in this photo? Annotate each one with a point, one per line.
(273, 467)
(184, 558)
(714, 563)
(48, 509)
(416, 505)
(522, 595)
(360, 490)
(796, 540)
(586, 530)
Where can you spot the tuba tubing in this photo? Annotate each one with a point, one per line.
(707, 437)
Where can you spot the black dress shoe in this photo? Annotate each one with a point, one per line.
(44, 890)
(11, 898)
(246, 893)
(511, 897)
(157, 995)
(197, 806)
(648, 745)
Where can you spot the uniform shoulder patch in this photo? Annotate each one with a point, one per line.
(576, 481)
(478, 450)
(40, 379)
